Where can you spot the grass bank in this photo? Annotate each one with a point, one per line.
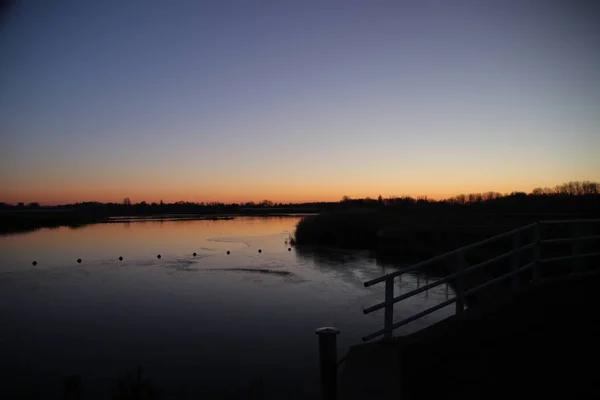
(411, 236)
(401, 239)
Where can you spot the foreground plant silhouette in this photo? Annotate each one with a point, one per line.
(133, 387)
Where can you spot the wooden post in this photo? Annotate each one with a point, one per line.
(535, 271)
(575, 248)
(460, 283)
(388, 318)
(516, 260)
(328, 361)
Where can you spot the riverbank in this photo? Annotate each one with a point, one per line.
(30, 220)
(403, 239)
(413, 236)
(416, 229)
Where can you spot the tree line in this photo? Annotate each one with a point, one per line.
(572, 197)
(568, 197)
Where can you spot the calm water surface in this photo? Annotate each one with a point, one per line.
(210, 321)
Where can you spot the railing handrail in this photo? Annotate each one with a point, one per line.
(517, 248)
(443, 280)
(568, 221)
(447, 255)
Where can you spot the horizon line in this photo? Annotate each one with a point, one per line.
(546, 190)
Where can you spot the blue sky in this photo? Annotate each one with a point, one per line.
(295, 101)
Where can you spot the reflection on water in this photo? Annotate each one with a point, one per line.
(257, 270)
(213, 320)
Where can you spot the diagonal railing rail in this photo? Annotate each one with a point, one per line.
(462, 269)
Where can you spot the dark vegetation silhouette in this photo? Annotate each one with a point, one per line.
(422, 226)
(404, 230)
(23, 217)
(349, 223)
(401, 231)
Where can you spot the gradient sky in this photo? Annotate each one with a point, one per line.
(295, 100)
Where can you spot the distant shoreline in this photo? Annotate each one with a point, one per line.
(29, 221)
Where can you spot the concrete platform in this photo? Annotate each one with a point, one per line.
(540, 342)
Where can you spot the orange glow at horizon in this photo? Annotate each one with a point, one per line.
(281, 194)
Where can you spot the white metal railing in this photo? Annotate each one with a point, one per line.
(457, 278)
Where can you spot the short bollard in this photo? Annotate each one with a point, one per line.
(328, 361)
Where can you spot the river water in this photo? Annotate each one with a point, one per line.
(211, 323)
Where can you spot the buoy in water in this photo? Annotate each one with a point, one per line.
(259, 250)
(120, 258)
(79, 261)
(158, 256)
(194, 254)
(228, 251)
(34, 263)
(289, 249)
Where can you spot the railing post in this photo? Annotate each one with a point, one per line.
(328, 361)
(460, 283)
(575, 248)
(535, 270)
(388, 318)
(516, 260)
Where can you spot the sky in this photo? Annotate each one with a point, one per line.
(295, 101)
